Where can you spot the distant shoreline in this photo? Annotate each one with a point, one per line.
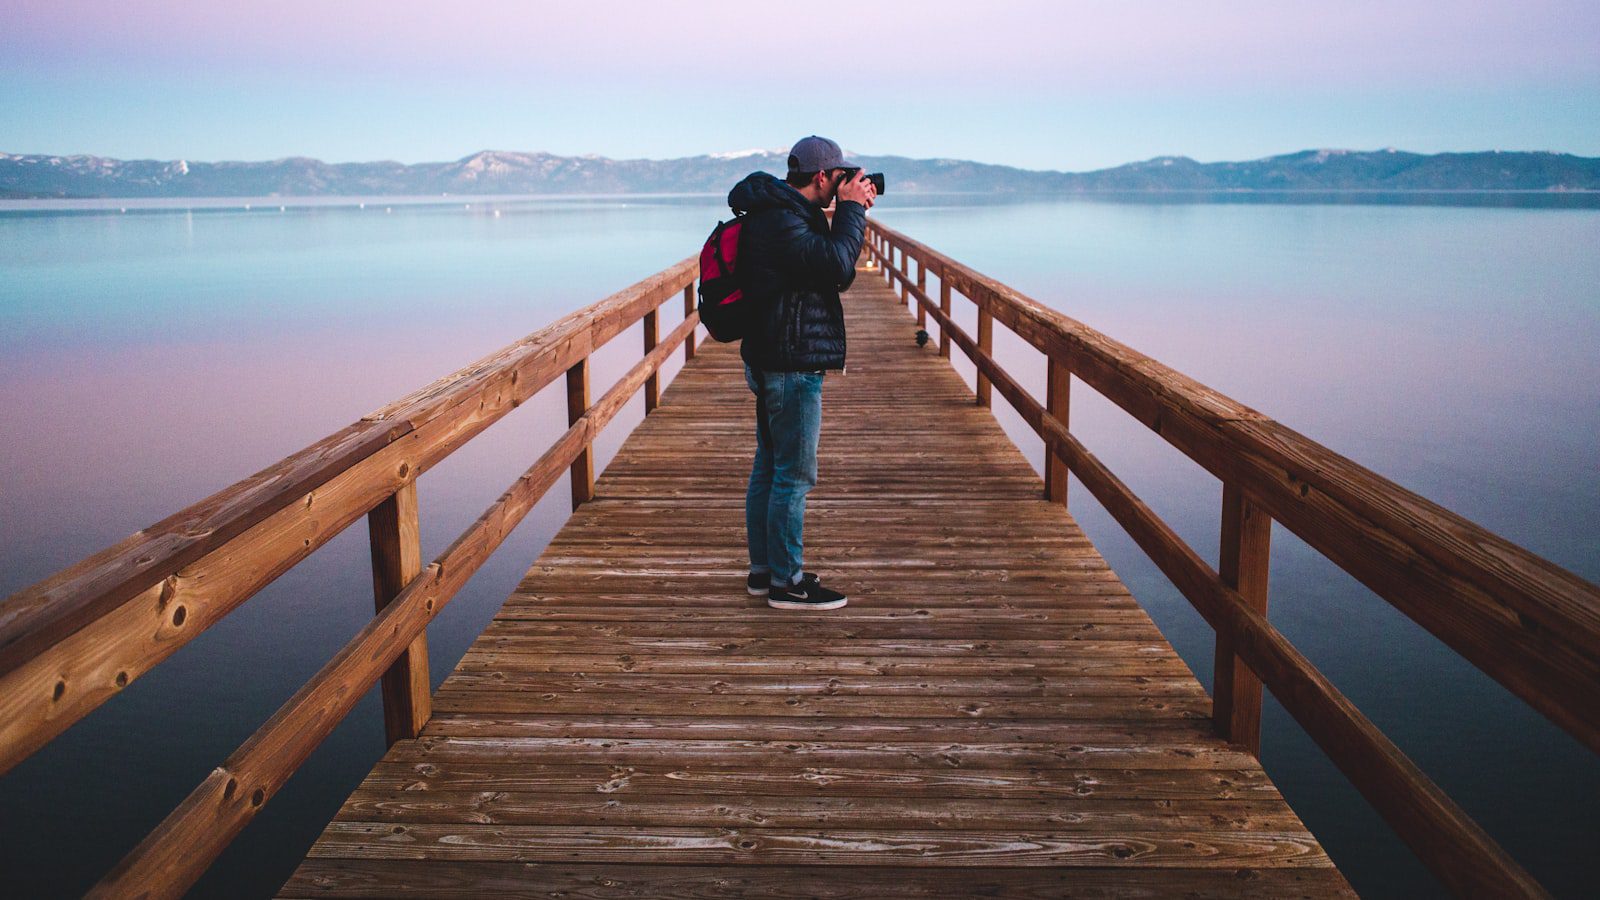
(487, 202)
(495, 173)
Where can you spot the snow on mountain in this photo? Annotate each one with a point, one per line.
(742, 154)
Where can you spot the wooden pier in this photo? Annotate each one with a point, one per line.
(991, 711)
(993, 714)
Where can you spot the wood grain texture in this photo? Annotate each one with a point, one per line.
(652, 385)
(1058, 403)
(396, 537)
(358, 878)
(688, 310)
(577, 405)
(1243, 560)
(991, 713)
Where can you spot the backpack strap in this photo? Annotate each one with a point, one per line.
(716, 245)
(716, 242)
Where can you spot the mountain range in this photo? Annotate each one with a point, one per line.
(503, 172)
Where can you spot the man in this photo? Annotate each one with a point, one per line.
(793, 265)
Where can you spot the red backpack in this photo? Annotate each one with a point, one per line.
(724, 309)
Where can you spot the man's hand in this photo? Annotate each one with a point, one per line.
(858, 189)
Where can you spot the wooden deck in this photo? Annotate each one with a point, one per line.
(992, 714)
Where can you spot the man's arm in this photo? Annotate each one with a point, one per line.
(855, 225)
(823, 259)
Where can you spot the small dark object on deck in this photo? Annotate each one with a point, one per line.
(922, 337)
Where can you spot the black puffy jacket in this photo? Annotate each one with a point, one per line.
(793, 267)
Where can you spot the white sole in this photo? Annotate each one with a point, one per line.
(806, 604)
(756, 592)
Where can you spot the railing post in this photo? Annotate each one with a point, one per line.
(985, 344)
(396, 539)
(652, 385)
(1242, 564)
(1057, 403)
(905, 275)
(944, 307)
(688, 310)
(922, 285)
(577, 405)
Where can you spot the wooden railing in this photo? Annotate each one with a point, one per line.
(1529, 624)
(76, 639)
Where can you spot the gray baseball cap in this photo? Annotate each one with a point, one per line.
(817, 154)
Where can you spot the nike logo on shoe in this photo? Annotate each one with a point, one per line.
(809, 594)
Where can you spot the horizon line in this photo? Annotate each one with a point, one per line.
(732, 155)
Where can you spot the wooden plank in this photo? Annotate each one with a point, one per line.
(1118, 610)
(1242, 564)
(985, 346)
(504, 808)
(1086, 593)
(577, 405)
(1196, 708)
(752, 846)
(652, 385)
(932, 782)
(887, 648)
(506, 678)
(1175, 735)
(766, 624)
(359, 878)
(922, 285)
(396, 539)
(1058, 402)
(688, 310)
(944, 306)
(893, 755)
(665, 657)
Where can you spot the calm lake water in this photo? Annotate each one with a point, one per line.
(151, 357)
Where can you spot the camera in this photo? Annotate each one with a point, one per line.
(876, 178)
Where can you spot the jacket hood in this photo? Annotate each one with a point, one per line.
(759, 191)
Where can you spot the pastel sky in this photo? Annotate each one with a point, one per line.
(1065, 85)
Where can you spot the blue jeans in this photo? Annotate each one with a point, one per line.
(788, 421)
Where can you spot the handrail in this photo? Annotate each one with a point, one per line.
(75, 639)
(1529, 624)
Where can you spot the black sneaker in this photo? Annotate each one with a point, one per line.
(758, 582)
(808, 594)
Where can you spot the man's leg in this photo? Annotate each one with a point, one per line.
(794, 415)
(759, 493)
